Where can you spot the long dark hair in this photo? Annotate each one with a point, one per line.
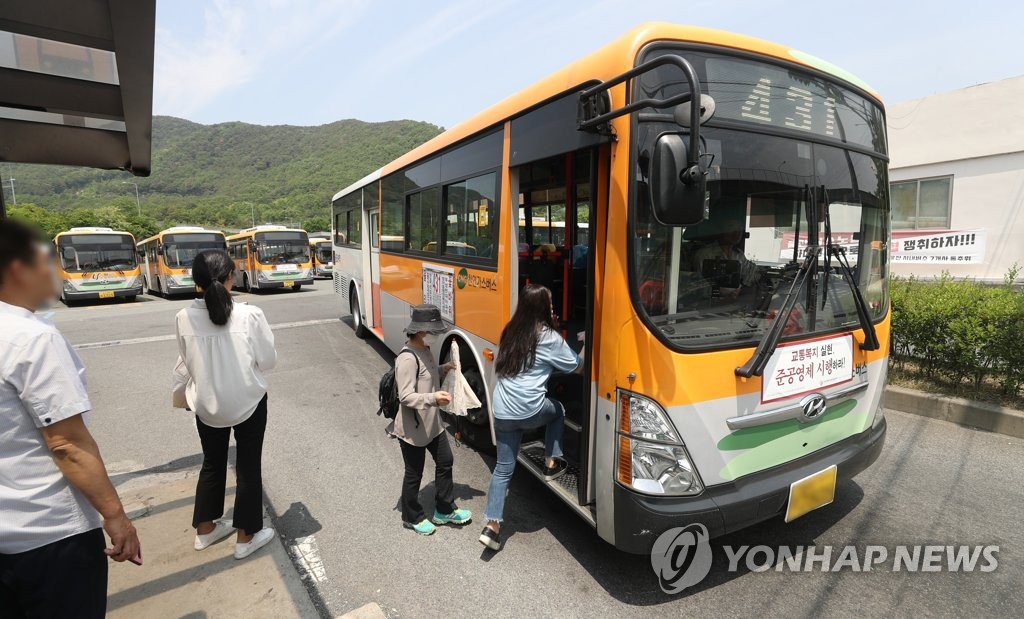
(517, 350)
(210, 270)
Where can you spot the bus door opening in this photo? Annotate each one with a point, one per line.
(554, 246)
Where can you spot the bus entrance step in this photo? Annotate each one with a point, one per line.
(566, 487)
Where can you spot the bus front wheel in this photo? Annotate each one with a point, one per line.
(245, 283)
(357, 316)
(475, 427)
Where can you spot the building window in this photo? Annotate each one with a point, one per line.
(471, 224)
(922, 203)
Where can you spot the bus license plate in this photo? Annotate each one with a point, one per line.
(107, 294)
(289, 284)
(811, 492)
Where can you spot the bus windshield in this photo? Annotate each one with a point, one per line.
(721, 283)
(80, 253)
(282, 247)
(181, 249)
(324, 253)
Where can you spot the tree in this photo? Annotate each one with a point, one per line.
(317, 224)
(49, 222)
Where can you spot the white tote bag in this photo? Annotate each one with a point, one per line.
(463, 397)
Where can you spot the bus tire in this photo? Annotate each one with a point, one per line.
(296, 287)
(475, 427)
(130, 298)
(245, 283)
(357, 316)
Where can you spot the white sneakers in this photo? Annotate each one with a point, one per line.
(223, 529)
(261, 539)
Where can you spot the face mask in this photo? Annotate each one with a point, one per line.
(430, 339)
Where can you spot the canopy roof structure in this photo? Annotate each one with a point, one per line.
(76, 83)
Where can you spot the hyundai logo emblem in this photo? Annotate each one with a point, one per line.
(813, 406)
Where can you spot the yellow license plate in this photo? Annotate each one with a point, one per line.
(811, 492)
(106, 294)
(289, 284)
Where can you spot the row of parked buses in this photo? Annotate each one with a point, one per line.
(102, 263)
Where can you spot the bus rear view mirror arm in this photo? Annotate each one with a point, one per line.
(678, 179)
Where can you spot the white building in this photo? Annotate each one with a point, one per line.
(957, 181)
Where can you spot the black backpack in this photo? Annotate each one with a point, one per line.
(387, 391)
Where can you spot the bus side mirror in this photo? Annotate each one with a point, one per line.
(678, 189)
(159, 250)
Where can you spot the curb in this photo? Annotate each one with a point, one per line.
(981, 415)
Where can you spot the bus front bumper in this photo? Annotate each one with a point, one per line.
(640, 519)
(286, 283)
(102, 294)
(181, 290)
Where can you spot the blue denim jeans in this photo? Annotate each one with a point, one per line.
(509, 434)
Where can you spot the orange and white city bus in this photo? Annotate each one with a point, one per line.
(728, 292)
(96, 263)
(321, 253)
(166, 258)
(271, 257)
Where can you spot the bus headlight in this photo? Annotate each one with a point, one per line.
(68, 286)
(652, 458)
(264, 276)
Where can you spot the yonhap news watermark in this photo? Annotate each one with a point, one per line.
(682, 557)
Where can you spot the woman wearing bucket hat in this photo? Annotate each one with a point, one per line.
(418, 424)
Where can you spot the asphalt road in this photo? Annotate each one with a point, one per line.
(332, 478)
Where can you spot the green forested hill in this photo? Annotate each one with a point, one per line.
(219, 174)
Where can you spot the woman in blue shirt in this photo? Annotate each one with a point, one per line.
(530, 350)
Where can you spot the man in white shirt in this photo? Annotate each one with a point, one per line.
(55, 496)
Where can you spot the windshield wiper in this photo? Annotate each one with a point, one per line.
(831, 249)
(757, 362)
(870, 337)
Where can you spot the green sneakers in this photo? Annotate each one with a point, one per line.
(424, 527)
(459, 517)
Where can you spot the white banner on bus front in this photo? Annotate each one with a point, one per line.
(805, 367)
(945, 247)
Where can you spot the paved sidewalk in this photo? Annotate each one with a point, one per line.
(177, 581)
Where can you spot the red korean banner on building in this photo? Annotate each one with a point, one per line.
(942, 247)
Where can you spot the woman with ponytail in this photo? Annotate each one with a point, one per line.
(226, 347)
(529, 352)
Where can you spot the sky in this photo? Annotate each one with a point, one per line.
(309, 62)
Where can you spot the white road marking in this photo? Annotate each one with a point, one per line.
(307, 556)
(166, 338)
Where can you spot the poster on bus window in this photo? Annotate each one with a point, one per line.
(439, 289)
(944, 247)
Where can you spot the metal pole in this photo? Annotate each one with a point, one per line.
(138, 204)
(3, 207)
(252, 207)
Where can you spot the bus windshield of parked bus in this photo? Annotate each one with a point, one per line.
(284, 247)
(324, 253)
(788, 154)
(81, 253)
(181, 249)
